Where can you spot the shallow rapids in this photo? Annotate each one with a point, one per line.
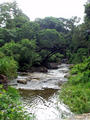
(40, 95)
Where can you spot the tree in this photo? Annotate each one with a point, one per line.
(23, 52)
(10, 14)
(87, 11)
(30, 30)
(51, 41)
(52, 23)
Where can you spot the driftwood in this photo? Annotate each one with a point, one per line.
(4, 81)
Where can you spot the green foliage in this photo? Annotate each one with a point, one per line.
(42, 38)
(29, 30)
(11, 16)
(6, 35)
(87, 11)
(23, 52)
(76, 93)
(79, 56)
(77, 97)
(56, 57)
(8, 67)
(1, 54)
(81, 67)
(49, 39)
(29, 57)
(10, 106)
(52, 23)
(11, 49)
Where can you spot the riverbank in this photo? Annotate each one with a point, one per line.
(80, 117)
(76, 92)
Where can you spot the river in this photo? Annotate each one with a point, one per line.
(40, 95)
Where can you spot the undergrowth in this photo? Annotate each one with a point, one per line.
(76, 92)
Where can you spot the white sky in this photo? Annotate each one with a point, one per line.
(56, 8)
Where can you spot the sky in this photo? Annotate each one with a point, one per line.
(56, 8)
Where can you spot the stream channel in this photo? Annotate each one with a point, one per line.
(40, 95)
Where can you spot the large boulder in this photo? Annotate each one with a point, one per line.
(52, 65)
(22, 81)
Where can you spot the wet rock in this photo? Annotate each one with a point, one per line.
(23, 73)
(67, 75)
(52, 65)
(12, 84)
(64, 71)
(28, 78)
(23, 81)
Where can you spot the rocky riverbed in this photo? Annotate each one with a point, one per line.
(40, 94)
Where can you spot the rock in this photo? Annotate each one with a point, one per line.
(67, 75)
(24, 81)
(12, 84)
(52, 65)
(64, 60)
(23, 73)
(28, 78)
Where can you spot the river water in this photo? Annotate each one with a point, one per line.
(40, 95)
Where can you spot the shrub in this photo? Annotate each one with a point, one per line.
(76, 92)
(10, 107)
(76, 97)
(8, 67)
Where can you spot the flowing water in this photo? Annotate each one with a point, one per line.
(40, 95)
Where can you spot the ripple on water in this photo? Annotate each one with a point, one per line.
(40, 95)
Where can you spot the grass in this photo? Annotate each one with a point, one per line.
(76, 92)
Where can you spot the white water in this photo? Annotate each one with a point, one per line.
(41, 94)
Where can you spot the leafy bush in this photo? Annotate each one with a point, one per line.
(76, 92)
(10, 107)
(81, 67)
(76, 97)
(78, 56)
(1, 55)
(56, 57)
(23, 52)
(8, 67)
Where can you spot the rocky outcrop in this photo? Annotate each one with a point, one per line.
(52, 65)
(22, 81)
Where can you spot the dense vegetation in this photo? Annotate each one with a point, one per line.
(10, 106)
(76, 92)
(42, 38)
(24, 44)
